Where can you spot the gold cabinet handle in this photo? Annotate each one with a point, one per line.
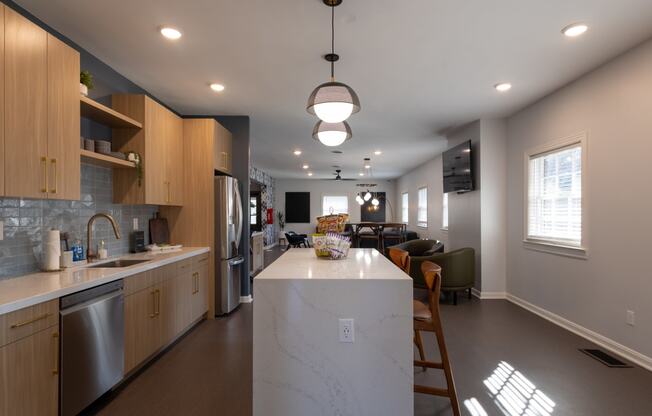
(158, 302)
(31, 321)
(55, 337)
(169, 197)
(54, 165)
(224, 158)
(44, 162)
(153, 314)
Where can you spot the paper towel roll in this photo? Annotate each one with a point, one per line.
(51, 250)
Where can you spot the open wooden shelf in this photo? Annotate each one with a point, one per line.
(104, 160)
(105, 115)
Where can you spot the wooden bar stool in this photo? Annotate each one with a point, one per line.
(400, 258)
(426, 318)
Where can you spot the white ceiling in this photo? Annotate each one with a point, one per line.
(419, 66)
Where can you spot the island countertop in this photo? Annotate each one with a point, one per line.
(24, 291)
(361, 263)
(301, 363)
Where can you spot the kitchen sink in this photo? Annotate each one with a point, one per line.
(116, 264)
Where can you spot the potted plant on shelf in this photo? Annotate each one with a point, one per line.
(85, 82)
(138, 162)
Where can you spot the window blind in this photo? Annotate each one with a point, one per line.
(555, 196)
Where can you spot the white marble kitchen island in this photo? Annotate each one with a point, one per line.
(301, 368)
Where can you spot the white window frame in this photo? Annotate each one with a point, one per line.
(444, 212)
(553, 246)
(323, 198)
(422, 224)
(405, 207)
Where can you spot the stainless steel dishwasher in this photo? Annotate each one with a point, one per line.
(92, 345)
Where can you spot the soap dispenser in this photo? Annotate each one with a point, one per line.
(102, 252)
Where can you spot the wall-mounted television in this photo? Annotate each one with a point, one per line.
(458, 168)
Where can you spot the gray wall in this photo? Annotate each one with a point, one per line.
(612, 105)
(464, 217)
(26, 220)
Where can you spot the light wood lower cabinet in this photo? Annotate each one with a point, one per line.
(160, 305)
(142, 326)
(29, 375)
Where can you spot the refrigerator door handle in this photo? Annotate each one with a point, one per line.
(238, 204)
(235, 262)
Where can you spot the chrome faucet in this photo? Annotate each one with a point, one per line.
(90, 255)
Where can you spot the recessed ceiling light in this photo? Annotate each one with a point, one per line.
(297, 152)
(309, 173)
(217, 87)
(306, 166)
(378, 152)
(503, 87)
(361, 174)
(574, 30)
(170, 32)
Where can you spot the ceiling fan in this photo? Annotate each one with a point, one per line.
(338, 176)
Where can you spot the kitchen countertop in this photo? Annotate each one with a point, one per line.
(24, 291)
(361, 263)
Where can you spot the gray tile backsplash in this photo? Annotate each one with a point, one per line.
(26, 219)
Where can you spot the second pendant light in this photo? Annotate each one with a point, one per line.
(333, 102)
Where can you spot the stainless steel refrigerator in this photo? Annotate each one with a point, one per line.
(229, 261)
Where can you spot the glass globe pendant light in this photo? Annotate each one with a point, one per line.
(333, 102)
(367, 196)
(359, 199)
(331, 134)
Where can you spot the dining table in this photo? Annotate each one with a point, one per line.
(377, 231)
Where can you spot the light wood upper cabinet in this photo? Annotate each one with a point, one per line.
(159, 143)
(223, 150)
(40, 114)
(174, 159)
(25, 82)
(63, 121)
(2, 99)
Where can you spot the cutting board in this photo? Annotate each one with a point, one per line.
(159, 232)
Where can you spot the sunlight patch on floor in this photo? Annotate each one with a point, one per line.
(513, 394)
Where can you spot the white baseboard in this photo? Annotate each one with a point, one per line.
(488, 295)
(246, 299)
(627, 353)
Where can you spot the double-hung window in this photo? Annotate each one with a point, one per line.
(422, 208)
(404, 208)
(555, 195)
(335, 204)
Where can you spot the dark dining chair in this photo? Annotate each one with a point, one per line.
(296, 240)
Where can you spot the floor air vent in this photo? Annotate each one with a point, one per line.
(604, 358)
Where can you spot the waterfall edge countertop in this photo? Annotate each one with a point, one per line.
(303, 362)
(302, 263)
(24, 291)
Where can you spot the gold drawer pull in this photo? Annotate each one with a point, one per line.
(54, 165)
(31, 321)
(44, 161)
(55, 370)
(158, 302)
(153, 314)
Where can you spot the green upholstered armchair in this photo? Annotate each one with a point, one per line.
(457, 267)
(420, 251)
(457, 270)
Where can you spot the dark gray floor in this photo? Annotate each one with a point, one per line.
(209, 371)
